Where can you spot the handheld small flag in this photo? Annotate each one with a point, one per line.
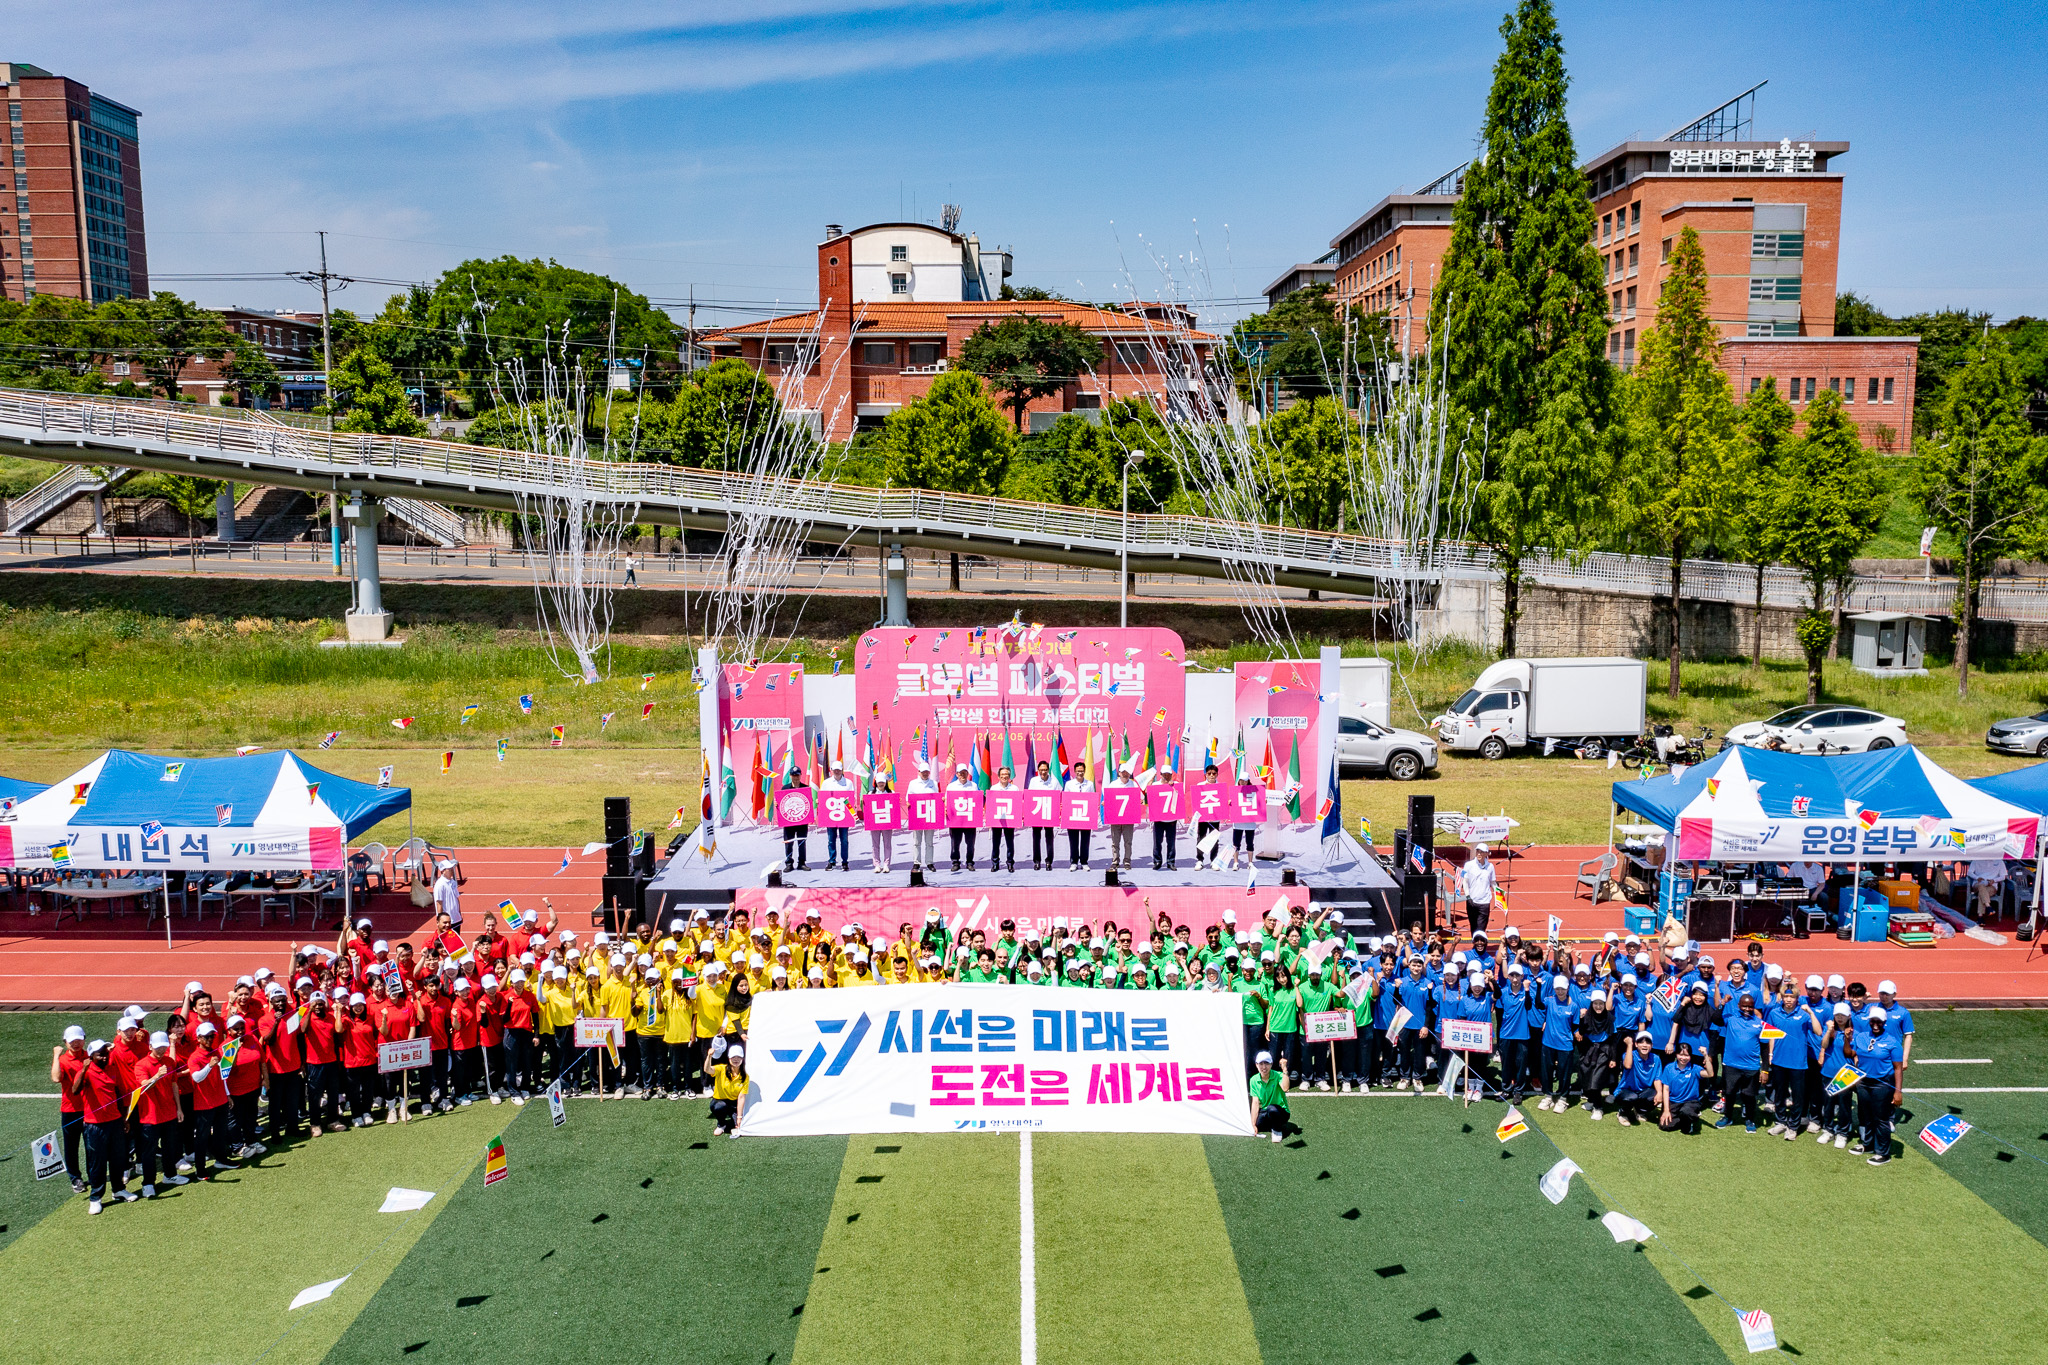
(469, 712)
(327, 740)
(646, 710)
(1513, 1126)
(494, 1161)
(503, 745)
(222, 814)
(1556, 924)
(556, 732)
(60, 854)
(1844, 1079)
(229, 1055)
(508, 910)
(447, 761)
(1944, 1133)
(526, 703)
(384, 776)
(402, 723)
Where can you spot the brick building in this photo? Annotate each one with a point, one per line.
(898, 300)
(1769, 216)
(73, 224)
(290, 340)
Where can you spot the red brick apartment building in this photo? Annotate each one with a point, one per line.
(72, 223)
(898, 300)
(1769, 216)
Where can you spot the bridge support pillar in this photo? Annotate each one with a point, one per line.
(99, 514)
(224, 513)
(367, 620)
(896, 597)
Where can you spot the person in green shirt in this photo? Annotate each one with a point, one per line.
(1269, 1100)
(1359, 986)
(1283, 1023)
(1252, 994)
(1315, 996)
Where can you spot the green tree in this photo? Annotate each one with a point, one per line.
(1317, 358)
(1979, 477)
(1823, 503)
(1765, 426)
(371, 396)
(51, 341)
(248, 371)
(164, 334)
(1520, 313)
(718, 419)
(1025, 357)
(952, 440)
(1078, 463)
(1315, 444)
(1685, 463)
(1031, 293)
(195, 498)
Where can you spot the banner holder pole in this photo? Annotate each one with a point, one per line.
(167, 909)
(405, 1096)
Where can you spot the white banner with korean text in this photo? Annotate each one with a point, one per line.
(993, 1058)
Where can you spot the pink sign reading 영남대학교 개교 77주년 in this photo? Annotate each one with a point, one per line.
(837, 809)
(1077, 810)
(1211, 801)
(963, 810)
(794, 806)
(1249, 804)
(883, 811)
(1122, 805)
(1003, 810)
(1042, 809)
(924, 810)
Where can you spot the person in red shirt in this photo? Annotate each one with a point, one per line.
(209, 1102)
(323, 1066)
(67, 1059)
(522, 1011)
(182, 1045)
(378, 1003)
(463, 1027)
(358, 1058)
(490, 1022)
(130, 1046)
(245, 1086)
(98, 1088)
(440, 999)
(283, 1057)
(490, 945)
(156, 1084)
(398, 1026)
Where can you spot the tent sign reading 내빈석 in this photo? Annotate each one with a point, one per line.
(978, 1058)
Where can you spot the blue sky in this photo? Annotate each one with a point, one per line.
(698, 145)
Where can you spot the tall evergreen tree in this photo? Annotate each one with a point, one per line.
(1685, 464)
(1520, 311)
(1765, 424)
(1980, 478)
(1822, 507)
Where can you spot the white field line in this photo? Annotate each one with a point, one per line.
(1027, 1254)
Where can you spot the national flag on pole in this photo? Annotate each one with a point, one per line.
(645, 679)
(222, 814)
(447, 761)
(556, 732)
(728, 780)
(402, 723)
(526, 703)
(384, 777)
(757, 780)
(327, 740)
(1512, 1126)
(469, 712)
(646, 709)
(1294, 778)
(1944, 1133)
(503, 745)
(494, 1161)
(604, 721)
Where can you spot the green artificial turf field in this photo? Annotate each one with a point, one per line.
(1393, 1230)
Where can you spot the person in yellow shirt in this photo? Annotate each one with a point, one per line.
(678, 1032)
(729, 1093)
(710, 996)
(757, 973)
(861, 973)
(899, 971)
(739, 1007)
(649, 1027)
(587, 1006)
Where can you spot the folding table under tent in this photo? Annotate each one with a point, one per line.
(267, 812)
(1896, 805)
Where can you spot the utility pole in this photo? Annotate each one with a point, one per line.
(326, 278)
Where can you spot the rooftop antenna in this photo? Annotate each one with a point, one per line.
(1728, 123)
(949, 217)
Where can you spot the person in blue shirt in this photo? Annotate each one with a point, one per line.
(1635, 1087)
(1560, 1034)
(1382, 1062)
(1518, 1009)
(1791, 1063)
(1660, 1017)
(1596, 1051)
(1836, 1110)
(1880, 1061)
(1629, 1004)
(1678, 1092)
(1742, 1062)
(1413, 994)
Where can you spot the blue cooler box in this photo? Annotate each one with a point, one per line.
(1641, 920)
(1873, 922)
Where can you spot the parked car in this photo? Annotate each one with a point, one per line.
(1825, 729)
(1403, 755)
(2020, 735)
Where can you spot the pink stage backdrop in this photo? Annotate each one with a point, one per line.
(881, 910)
(764, 706)
(955, 688)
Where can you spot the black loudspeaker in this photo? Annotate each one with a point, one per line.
(1422, 820)
(1710, 919)
(643, 861)
(624, 904)
(618, 825)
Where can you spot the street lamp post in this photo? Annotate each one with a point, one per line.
(1123, 578)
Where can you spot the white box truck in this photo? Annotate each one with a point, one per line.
(1575, 703)
(1366, 689)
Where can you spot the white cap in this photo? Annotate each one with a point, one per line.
(568, 936)
(74, 1034)
(618, 959)
(1557, 981)
(1458, 956)
(676, 925)
(1610, 937)
(490, 980)
(1230, 916)
(461, 984)
(193, 988)
(847, 930)
(645, 959)
(1877, 1014)
(159, 1039)
(363, 923)
(276, 991)
(1835, 981)
(303, 982)
(561, 974)
(205, 1028)
(736, 1051)
(518, 974)
(713, 966)
(1267, 955)
(1772, 969)
(264, 973)
(1599, 995)
(816, 974)
(1515, 969)
(1628, 978)
(603, 937)
(380, 946)
(355, 998)
(1706, 959)
(1642, 959)
(1841, 1009)
(1034, 968)
(1582, 969)
(1887, 988)
(701, 914)
(1815, 981)
(756, 962)
(526, 959)
(96, 1045)
(654, 973)
(575, 955)
(780, 973)
(1679, 953)
(932, 913)
(1453, 967)
(1265, 1057)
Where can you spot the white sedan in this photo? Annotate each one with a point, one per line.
(1825, 729)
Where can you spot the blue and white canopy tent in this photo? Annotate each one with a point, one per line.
(14, 791)
(267, 812)
(1895, 805)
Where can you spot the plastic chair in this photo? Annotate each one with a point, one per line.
(373, 875)
(1591, 882)
(410, 860)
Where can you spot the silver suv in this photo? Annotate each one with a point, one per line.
(2020, 735)
(1403, 755)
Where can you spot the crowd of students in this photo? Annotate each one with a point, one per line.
(1630, 1027)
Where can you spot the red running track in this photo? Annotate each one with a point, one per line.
(114, 962)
